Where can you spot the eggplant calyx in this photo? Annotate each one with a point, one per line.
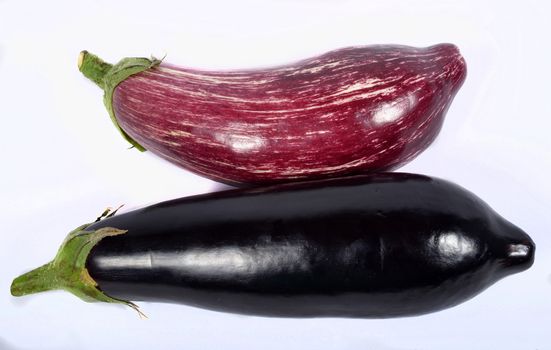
(107, 76)
(67, 271)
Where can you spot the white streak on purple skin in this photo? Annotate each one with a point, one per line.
(352, 110)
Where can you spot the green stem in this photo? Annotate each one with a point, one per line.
(67, 271)
(93, 67)
(38, 280)
(108, 77)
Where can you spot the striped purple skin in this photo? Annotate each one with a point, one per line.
(352, 110)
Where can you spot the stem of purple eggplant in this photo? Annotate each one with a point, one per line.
(93, 67)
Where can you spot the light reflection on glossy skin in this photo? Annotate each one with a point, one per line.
(453, 247)
(245, 143)
(137, 260)
(519, 250)
(241, 138)
(390, 112)
(224, 263)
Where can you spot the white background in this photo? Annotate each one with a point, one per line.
(63, 162)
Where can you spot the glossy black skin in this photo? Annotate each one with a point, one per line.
(384, 245)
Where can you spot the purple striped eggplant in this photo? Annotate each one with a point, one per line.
(352, 110)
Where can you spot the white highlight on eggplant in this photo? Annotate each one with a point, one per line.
(126, 261)
(236, 261)
(212, 262)
(518, 250)
(452, 246)
(241, 143)
(392, 111)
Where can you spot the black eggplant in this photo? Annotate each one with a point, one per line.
(383, 245)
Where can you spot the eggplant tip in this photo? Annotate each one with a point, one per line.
(521, 254)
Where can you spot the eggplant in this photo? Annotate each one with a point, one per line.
(371, 246)
(349, 111)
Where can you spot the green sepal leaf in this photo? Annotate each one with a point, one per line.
(108, 77)
(67, 271)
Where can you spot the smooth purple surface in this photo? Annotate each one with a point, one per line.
(348, 111)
